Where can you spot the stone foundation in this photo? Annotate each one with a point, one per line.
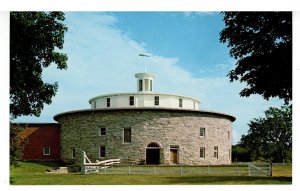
(169, 129)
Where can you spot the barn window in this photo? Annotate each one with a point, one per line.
(202, 152)
(228, 134)
(46, 150)
(101, 151)
(202, 131)
(216, 152)
(156, 100)
(180, 102)
(108, 102)
(102, 131)
(73, 152)
(127, 136)
(131, 100)
(94, 104)
(150, 85)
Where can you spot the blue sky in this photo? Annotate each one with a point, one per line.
(186, 57)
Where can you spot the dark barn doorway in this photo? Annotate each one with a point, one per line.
(153, 154)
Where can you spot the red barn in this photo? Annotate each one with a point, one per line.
(40, 141)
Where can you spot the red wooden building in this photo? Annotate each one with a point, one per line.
(40, 141)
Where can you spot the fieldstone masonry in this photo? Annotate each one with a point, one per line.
(165, 127)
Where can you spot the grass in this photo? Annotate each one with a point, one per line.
(282, 171)
(33, 173)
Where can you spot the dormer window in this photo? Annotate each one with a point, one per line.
(131, 100)
(180, 102)
(156, 100)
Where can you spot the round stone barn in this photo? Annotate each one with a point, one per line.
(145, 127)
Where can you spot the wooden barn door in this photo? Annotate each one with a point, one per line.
(174, 154)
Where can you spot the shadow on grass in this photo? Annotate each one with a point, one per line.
(229, 180)
(43, 163)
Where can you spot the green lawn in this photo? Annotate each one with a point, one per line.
(282, 171)
(33, 173)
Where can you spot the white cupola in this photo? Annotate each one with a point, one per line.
(144, 82)
(144, 97)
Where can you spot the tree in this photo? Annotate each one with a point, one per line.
(270, 137)
(15, 144)
(240, 154)
(35, 38)
(261, 42)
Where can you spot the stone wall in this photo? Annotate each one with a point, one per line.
(80, 130)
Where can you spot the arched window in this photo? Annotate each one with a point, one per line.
(153, 145)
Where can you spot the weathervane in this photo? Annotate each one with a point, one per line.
(145, 64)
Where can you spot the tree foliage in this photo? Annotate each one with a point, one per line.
(240, 154)
(270, 137)
(35, 38)
(261, 42)
(15, 144)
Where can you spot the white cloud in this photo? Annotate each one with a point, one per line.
(193, 14)
(103, 59)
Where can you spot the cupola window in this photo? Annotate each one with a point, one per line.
(140, 85)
